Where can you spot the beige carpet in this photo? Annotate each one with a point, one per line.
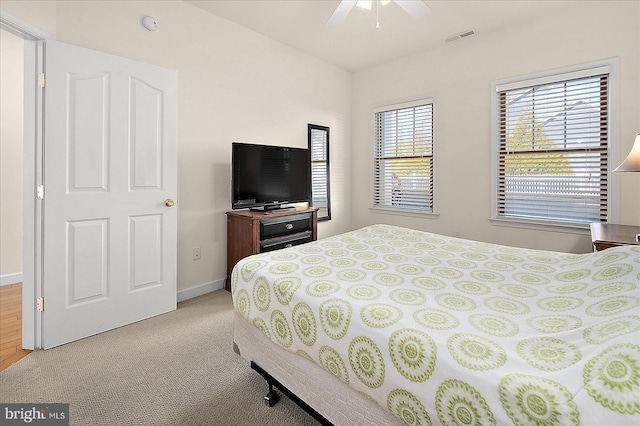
(175, 369)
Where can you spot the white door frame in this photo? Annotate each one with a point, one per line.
(32, 175)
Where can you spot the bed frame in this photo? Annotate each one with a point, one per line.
(325, 397)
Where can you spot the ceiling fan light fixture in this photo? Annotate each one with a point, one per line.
(364, 4)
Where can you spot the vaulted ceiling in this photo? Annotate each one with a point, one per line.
(356, 44)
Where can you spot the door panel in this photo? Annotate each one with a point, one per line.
(110, 162)
(88, 138)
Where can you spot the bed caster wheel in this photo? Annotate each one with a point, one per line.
(271, 398)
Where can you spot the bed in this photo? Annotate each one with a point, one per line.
(388, 326)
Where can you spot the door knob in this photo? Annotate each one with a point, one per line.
(169, 202)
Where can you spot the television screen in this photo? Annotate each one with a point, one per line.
(265, 177)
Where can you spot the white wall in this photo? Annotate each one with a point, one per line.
(11, 106)
(459, 76)
(234, 85)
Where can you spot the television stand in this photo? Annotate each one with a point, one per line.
(253, 232)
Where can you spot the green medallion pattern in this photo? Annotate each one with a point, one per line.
(462, 264)
(316, 272)
(613, 305)
(518, 290)
(428, 261)
(259, 323)
(304, 323)
(388, 280)
(499, 266)
(395, 258)
(331, 361)
(548, 353)
(428, 283)
(459, 404)
(313, 260)
(608, 289)
(507, 306)
(335, 316)
(261, 294)
(559, 303)
(530, 279)
(407, 408)
(612, 378)
(538, 268)
(408, 297)
(476, 352)
(380, 315)
(608, 256)
(351, 275)
(455, 302)
(554, 323)
(322, 288)
(436, 319)
(573, 276)
(342, 263)
(250, 269)
(446, 273)
(494, 324)
(366, 361)
(472, 287)
(487, 276)
(284, 288)
(283, 268)
(413, 354)
(473, 333)
(242, 303)
(280, 329)
(364, 292)
(613, 272)
(409, 269)
(567, 288)
(284, 255)
(532, 400)
(610, 329)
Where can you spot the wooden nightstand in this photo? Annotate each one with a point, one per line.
(605, 235)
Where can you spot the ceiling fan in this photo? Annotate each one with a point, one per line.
(415, 8)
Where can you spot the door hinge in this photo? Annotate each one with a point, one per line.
(40, 304)
(40, 192)
(42, 80)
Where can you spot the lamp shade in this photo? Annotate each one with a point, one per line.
(632, 162)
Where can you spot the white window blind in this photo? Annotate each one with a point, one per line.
(553, 142)
(403, 158)
(319, 151)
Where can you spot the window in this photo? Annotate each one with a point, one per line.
(403, 157)
(319, 150)
(552, 139)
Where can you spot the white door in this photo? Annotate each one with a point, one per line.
(110, 139)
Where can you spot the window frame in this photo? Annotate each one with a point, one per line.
(310, 129)
(399, 210)
(609, 67)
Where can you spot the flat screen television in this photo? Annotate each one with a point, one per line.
(266, 177)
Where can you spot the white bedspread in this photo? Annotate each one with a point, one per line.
(440, 330)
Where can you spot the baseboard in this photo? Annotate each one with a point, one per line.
(16, 278)
(199, 290)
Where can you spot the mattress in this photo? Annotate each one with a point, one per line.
(441, 330)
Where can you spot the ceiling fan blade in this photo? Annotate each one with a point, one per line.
(341, 12)
(415, 8)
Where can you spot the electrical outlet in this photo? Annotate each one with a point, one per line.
(197, 253)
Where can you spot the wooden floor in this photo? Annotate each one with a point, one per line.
(11, 325)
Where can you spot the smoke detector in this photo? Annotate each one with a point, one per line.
(149, 23)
